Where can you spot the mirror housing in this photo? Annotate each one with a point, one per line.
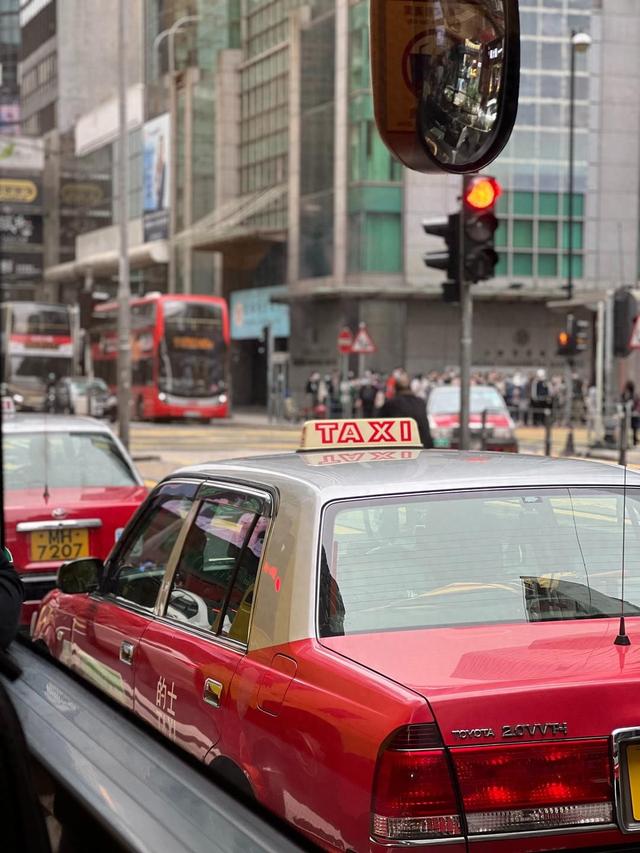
(80, 576)
(445, 80)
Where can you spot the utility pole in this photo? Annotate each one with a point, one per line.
(598, 425)
(170, 34)
(124, 286)
(466, 328)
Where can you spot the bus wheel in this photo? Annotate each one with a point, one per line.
(139, 412)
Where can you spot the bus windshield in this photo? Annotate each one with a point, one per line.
(193, 350)
(39, 367)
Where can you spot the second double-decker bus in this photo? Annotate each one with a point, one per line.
(179, 355)
(39, 343)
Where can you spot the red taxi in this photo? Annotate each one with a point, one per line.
(490, 424)
(388, 647)
(70, 488)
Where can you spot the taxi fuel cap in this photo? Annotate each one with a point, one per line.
(363, 433)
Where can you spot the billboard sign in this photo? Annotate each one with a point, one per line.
(19, 153)
(20, 228)
(21, 266)
(252, 311)
(155, 184)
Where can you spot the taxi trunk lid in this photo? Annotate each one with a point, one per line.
(97, 512)
(513, 683)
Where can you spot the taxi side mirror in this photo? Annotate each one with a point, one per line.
(445, 80)
(80, 576)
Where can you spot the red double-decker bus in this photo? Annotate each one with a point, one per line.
(179, 355)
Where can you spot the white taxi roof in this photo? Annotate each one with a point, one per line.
(354, 473)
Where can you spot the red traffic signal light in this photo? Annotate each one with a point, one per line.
(479, 196)
(481, 193)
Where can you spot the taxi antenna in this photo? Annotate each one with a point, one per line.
(623, 638)
(45, 437)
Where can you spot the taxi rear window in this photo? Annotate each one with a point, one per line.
(64, 460)
(481, 557)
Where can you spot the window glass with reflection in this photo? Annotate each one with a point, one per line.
(479, 558)
(137, 569)
(213, 584)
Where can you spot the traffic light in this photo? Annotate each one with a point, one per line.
(574, 338)
(448, 259)
(480, 223)
(565, 344)
(582, 328)
(625, 311)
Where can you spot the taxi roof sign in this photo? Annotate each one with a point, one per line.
(361, 433)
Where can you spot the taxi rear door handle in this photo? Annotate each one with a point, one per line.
(212, 692)
(126, 652)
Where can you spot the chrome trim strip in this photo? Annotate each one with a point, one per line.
(27, 579)
(621, 738)
(215, 639)
(122, 602)
(71, 524)
(565, 830)
(423, 842)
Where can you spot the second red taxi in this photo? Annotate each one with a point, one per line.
(70, 488)
(388, 647)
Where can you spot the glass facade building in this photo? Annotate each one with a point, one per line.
(317, 145)
(375, 178)
(9, 53)
(534, 233)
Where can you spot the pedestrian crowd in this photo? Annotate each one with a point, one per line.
(529, 396)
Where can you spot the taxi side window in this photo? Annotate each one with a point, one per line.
(238, 612)
(137, 571)
(213, 582)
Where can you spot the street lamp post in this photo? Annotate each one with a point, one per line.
(170, 34)
(579, 44)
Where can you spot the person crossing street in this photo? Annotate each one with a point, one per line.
(405, 404)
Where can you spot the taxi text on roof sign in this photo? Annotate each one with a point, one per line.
(364, 432)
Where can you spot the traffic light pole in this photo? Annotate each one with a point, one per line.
(124, 286)
(466, 330)
(569, 448)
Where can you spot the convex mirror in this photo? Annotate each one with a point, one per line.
(445, 77)
(80, 576)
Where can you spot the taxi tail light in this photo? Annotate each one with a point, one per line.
(535, 786)
(413, 794)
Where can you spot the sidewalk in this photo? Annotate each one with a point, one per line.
(531, 440)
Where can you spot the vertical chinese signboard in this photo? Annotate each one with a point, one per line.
(156, 158)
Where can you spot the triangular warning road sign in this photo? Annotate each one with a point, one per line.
(362, 343)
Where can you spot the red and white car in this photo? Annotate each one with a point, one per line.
(388, 647)
(70, 488)
(490, 424)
